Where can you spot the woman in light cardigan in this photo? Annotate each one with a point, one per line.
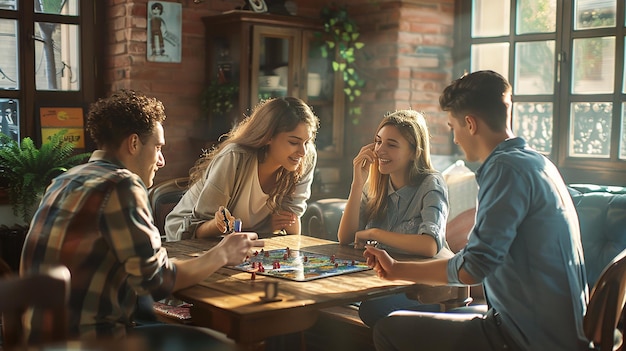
(261, 173)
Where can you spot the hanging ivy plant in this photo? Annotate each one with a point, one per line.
(341, 43)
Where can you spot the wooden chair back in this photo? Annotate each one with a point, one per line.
(48, 291)
(606, 305)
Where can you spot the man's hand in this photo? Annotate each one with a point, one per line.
(236, 246)
(380, 261)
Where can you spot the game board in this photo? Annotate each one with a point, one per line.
(298, 265)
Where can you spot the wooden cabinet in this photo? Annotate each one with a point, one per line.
(271, 56)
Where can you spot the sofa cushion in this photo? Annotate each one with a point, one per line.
(462, 194)
(602, 218)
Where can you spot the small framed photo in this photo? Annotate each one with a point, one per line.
(258, 6)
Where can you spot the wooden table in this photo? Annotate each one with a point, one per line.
(230, 302)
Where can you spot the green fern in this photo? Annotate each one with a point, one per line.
(27, 170)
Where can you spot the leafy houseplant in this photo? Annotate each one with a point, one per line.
(341, 36)
(27, 170)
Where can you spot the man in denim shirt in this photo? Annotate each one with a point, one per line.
(525, 246)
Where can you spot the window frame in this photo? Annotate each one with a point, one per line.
(90, 22)
(608, 171)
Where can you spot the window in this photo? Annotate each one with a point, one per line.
(46, 60)
(565, 61)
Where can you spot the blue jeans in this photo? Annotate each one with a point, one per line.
(371, 311)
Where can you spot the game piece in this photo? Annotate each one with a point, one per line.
(306, 259)
(336, 264)
(256, 253)
(285, 255)
(271, 292)
(253, 276)
(238, 225)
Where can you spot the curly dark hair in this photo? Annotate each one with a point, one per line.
(126, 112)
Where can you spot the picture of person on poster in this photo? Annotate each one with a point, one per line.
(164, 30)
(8, 120)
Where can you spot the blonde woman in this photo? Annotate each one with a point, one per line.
(397, 199)
(261, 173)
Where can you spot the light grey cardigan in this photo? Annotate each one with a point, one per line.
(221, 185)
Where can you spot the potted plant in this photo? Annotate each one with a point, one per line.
(217, 101)
(218, 97)
(27, 170)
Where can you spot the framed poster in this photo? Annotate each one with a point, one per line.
(164, 31)
(53, 119)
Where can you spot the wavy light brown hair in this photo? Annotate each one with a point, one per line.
(412, 126)
(269, 118)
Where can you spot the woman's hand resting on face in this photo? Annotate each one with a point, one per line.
(362, 163)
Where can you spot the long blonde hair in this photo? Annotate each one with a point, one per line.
(269, 118)
(412, 126)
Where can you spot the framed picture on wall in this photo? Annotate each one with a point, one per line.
(164, 31)
(54, 119)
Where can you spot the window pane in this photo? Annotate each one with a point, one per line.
(534, 68)
(9, 77)
(622, 148)
(57, 7)
(9, 121)
(57, 65)
(536, 16)
(491, 56)
(624, 65)
(593, 68)
(8, 4)
(590, 129)
(490, 18)
(533, 122)
(594, 14)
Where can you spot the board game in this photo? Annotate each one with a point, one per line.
(298, 265)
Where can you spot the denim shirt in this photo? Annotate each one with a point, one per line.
(526, 250)
(413, 209)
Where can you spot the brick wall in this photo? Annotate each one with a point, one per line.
(406, 62)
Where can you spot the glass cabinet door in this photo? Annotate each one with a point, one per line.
(320, 90)
(274, 69)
